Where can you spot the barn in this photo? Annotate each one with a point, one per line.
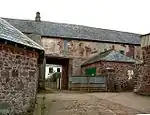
(69, 45)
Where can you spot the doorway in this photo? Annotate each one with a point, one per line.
(63, 63)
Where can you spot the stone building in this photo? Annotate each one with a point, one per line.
(19, 70)
(122, 69)
(70, 45)
(143, 74)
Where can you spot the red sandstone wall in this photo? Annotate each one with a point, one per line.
(121, 72)
(18, 79)
(143, 86)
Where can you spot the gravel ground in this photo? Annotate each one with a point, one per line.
(80, 104)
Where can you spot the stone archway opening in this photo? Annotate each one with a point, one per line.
(63, 63)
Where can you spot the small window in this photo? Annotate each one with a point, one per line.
(58, 69)
(122, 52)
(50, 70)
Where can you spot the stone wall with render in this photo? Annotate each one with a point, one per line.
(18, 79)
(80, 50)
(120, 73)
(76, 65)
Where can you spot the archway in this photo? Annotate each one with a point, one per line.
(64, 62)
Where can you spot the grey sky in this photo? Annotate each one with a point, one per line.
(122, 15)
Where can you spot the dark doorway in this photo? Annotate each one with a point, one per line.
(64, 62)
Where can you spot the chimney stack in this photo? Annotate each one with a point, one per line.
(113, 47)
(37, 18)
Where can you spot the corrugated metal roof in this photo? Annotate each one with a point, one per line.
(110, 55)
(10, 33)
(71, 31)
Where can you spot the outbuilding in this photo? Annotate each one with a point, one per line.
(19, 70)
(116, 67)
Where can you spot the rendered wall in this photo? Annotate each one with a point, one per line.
(79, 51)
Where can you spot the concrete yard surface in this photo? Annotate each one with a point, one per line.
(64, 103)
(128, 99)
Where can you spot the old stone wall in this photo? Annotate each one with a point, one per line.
(143, 86)
(138, 69)
(37, 39)
(121, 73)
(18, 79)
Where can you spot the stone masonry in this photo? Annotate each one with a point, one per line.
(18, 79)
(120, 72)
(143, 86)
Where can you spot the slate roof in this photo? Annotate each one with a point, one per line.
(10, 33)
(71, 31)
(110, 55)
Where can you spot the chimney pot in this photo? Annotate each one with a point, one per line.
(38, 17)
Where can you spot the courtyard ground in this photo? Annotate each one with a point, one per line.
(73, 103)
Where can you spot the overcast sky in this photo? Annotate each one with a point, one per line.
(123, 15)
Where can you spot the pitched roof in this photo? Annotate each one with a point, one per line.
(71, 31)
(10, 33)
(110, 55)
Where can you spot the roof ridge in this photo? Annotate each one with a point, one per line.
(125, 55)
(101, 53)
(102, 56)
(73, 25)
(74, 31)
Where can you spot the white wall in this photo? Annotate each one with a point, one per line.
(54, 68)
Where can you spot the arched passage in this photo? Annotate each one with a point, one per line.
(64, 62)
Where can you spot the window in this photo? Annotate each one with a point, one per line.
(50, 70)
(58, 69)
(122, 52)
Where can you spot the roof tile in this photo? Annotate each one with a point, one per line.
(71, 31)
(10, 33)
(110, 55)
